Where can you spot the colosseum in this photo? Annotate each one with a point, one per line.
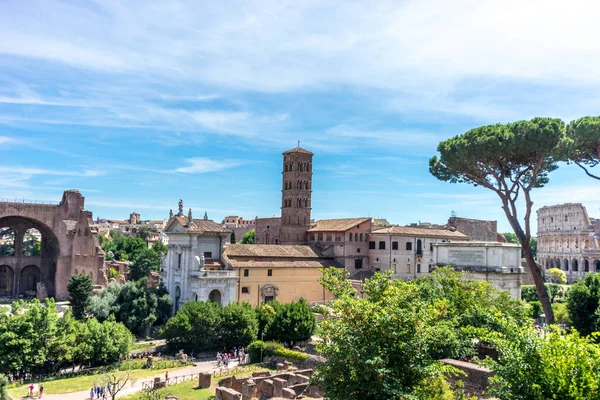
(568, 239)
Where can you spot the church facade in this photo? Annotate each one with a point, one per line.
(192, 270)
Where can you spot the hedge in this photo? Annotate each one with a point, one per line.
(274, 349)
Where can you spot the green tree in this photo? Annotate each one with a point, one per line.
(80, 291)
(160, 248)
(265, 314)
(512, 238)
(145, 261)
(584, 148)
(248, 237)
(557, 276)
(380, 346)
(293, 321)
(582, 303)
(194, 327)
(557, 365)
(113, 274)
(31, 245)
(238, 325)
(144, 233)
(510, 160)
(137, 307)
(232, 238)
(3, 387)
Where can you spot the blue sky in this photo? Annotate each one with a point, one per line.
(140, 103)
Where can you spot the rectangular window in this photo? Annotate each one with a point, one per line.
(312, 237)
(320, 237)
(430, 246)
(179, 262)
(358, 263)
(350, 237)
(408, 245)
(208, 254)
(371, 245)
(418, 268)
(245, 290)
(269, 272)
(338, 238)
(246, 272)
(356, 237)
(361, 237)
(394, 245)
(329, 238)
(382, 245)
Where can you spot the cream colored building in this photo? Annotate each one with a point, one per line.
(568, 239)
(278, 272)
(407, 250)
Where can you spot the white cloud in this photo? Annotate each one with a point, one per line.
(201, 165)
(6, 140)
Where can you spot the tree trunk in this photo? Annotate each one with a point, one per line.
(538, 278)
(525, 240)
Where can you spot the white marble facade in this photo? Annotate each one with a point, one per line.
(192, 269)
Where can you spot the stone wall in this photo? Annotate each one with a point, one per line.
(475, 229)
(267, 231)
(265, 385)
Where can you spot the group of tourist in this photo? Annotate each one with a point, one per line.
(99, 392)
(236, 353)
(141, 355)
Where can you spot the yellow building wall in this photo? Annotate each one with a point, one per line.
(293, 284)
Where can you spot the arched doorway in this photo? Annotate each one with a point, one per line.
(419, 247)
(30, 276)
(575, 265)
(7, 276)
(215, 296)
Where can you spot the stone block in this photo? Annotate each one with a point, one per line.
(204, 380)
(278, 385)
(223, 393)
(299, 388)
(280, 367)
(257, 374)
(267, 387)
(288, 393)
(249, 390)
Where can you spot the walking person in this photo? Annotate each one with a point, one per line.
(41, 390)
(167, 377)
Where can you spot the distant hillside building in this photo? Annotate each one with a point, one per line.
(238, 225)
(568, 239)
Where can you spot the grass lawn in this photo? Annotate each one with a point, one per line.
(183, 391)
(81, 383)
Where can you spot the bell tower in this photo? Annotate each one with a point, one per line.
(296, 195)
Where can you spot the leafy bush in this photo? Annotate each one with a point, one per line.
(272, 349)
(292, 321)
(80, 291)
(582, 303)
(561, 314)
(200, 326)
(3, 387)
(558, 276)
(557, 365)
(555, 291)
(535, 308)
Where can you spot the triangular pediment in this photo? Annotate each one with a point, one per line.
(175, 226)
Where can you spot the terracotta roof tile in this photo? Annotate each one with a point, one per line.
(422, 232)
(284, 264)
(271, 250)
(337, 225)
(297, 150)
(201, 225)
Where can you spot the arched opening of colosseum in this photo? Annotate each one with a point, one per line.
(566, 264)
(29, 252)
(586, 266)
(575, 266)
(597, 263)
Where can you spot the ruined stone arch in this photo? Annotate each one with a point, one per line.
(7, 277)
(215, 296)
